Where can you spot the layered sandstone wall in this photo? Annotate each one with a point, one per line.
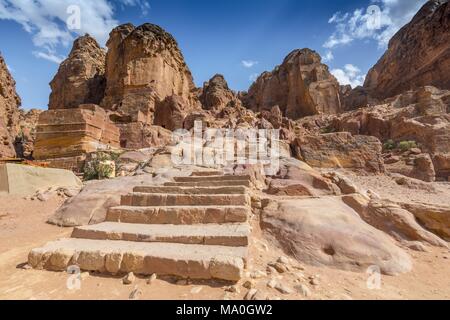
(73, 132)
(418, 55)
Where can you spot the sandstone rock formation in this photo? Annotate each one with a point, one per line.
(80, 78)
(143, 67)
(9, 111)
(73, 132)
(340, 150)
(300, 86)
(418, 55)
(216, 95)
(419, 115)
(24, 142)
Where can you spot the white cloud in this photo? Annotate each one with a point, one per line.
(142, 4)
(350, 75)
(253, 77)
(328, 57)
(46, 21)
(249, 63)
(48, 56)
(379, 22)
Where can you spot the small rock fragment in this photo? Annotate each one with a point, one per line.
(272, 283)
(129, 278)
(284, 289)
(249, 284)
(303, 290)
(250, 294)
(152, 278)
(196, 290)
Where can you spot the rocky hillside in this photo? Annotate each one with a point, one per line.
(300, 86)
(418, 55)
(9, 111)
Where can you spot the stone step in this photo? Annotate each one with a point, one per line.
(244, 183)
(119, 257)
(153, 200)
(179, 215)
(230, 235)
(211, 178)
(191, 190)
(207, 173)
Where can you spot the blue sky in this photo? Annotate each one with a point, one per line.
(239, 39)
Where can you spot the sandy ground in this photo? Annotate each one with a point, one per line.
(23, 227)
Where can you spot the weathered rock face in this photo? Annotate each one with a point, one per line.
(9, 111)
(340, 150)
(80, 78)
(69, 133)
(144, 66)
(171, 112)
(419, 115)
(300, 86)
(24, 142)
(216, 95)
(418, 55)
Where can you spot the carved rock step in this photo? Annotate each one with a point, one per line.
(211, 178)
(186, 261)
(191, 190)
(179, 215)
(146, 199)
(231, 235)
(207, 173)
(216, 183)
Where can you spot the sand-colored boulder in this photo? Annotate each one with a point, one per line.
(392, 219)
(91, 204)
(27, 180)
(300, 86)
(296, 178)
(435, 218)
(326, 232)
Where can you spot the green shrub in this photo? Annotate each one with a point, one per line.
(95, 167)
(389, 145)
(407, 145)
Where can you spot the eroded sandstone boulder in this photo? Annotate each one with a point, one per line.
(300, 86)
(326, 232)
(392, 219)
(418, 55)
(340, 150)
(81, 77)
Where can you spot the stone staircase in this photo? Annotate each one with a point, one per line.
(196, 227)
